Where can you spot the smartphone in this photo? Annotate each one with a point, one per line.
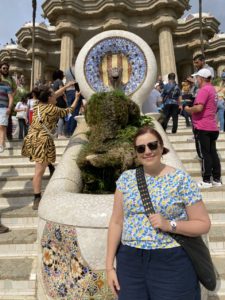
(77, 88)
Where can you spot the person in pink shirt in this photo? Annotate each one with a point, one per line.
(205, 128)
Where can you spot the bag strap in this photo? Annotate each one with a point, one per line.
(72, 73)
(43, 125)
(143, 189)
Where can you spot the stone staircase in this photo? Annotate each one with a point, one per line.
(18, 247)
(214, 198)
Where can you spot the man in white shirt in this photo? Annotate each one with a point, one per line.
(199, 63)
(153, 101)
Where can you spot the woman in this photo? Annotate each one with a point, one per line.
(21, 109)
(151, 265)
(39, 144)
(31, 102)
(57, 77)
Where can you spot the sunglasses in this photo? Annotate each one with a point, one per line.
(5, 68)
(151, 146)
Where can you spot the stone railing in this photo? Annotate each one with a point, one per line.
(72, 229)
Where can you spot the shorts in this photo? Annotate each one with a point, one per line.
(4, 117)
(160, 274)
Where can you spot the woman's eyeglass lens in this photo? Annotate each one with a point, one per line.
(151, 146)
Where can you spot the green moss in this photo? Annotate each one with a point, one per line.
(113, 120)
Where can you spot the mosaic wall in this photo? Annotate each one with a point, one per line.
(65, 273)
(115, 45)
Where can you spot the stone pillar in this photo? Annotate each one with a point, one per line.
(220, 68)
(67, 50)
(167, 55)
(38, 68)
(66, 30)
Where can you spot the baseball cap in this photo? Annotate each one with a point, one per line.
(205, 73)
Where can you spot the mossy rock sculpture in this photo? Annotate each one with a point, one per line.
(113, 120)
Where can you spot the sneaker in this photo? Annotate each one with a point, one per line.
(204, 185)
(1, 149)
(217, 183)
(3, 229)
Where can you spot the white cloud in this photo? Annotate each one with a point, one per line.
(215, 7)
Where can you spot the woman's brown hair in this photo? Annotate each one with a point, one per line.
(147, 129)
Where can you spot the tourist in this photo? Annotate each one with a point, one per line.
(31, 102)
(161, 83)
(39, 144)
(8, 79)
(6, 103)
(70, 95)
(205, 129)
(199, 63)
(220, 110)
(150, 264)
(188, 96)
(153, 101)
(57, 77)
(171, 98)
(21, 109)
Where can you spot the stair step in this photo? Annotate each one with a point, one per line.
(180, 145)
(8, 183)
(18, 242)
(18, 143)
(18, 169)
(195, 164)
(17, 277)
(20, 218)
(185, 136)
(17, 159)
(217, 239)
(219, 293)
(192, 154)
(15, 151)
(197, 177)
(16, 198)
(214, 194)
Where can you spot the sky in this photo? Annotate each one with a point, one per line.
(15, 13)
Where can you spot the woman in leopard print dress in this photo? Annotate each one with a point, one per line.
(39, 144)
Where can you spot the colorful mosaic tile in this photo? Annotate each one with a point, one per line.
(65, 273)
(115, 45)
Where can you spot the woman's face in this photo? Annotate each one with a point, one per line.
(148, 149)
(52, 98)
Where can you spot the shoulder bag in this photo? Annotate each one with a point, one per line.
(195, 247)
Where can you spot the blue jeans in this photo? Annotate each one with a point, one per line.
(161, 274)
(220, 113)
(72, 123)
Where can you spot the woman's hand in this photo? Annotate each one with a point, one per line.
(112, 281)
(159, 222)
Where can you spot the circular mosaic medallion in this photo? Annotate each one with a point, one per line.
(120, 53)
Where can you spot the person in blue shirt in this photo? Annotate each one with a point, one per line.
(171, 97)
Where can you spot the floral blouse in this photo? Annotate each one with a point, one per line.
(170, 194)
